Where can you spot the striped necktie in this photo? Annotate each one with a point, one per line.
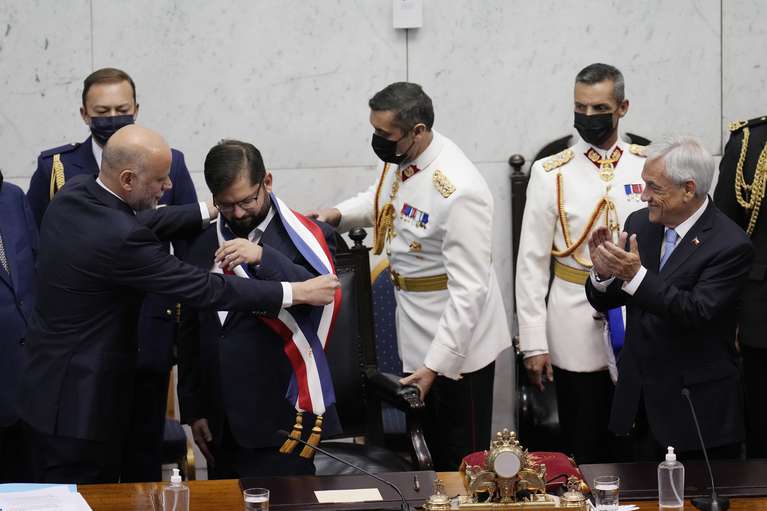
(3, 258)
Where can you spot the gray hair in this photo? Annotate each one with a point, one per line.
(686, 160)
(598, 73)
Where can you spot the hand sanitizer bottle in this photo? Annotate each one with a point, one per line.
(671, 482)
(175, 496)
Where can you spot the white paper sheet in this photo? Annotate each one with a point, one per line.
(344, 496)
(55, 498)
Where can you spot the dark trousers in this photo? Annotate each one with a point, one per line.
(13, 463)
(644, 447)
(234, 461)
(142, 454)
(755, 389)
(583, 403)
(458, 417)
(58, 459)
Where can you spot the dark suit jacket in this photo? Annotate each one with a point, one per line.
(680, 330)
(238, 372)
(17, 296)
(97, 260)
(157, 321)
(752, 320)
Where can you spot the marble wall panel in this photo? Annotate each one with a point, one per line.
(744, 73)
(501, 73)
(291, 76)
(45, 51)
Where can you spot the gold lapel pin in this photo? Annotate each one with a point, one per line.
(695, 242)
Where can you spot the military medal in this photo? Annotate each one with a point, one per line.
(633, 191)
(414, 215)
(606, 165)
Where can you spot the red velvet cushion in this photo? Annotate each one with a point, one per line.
(556, 463)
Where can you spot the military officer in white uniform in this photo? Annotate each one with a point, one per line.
(433, 211)
(594, 183)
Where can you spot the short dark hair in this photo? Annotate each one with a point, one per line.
(228, 160)
(597, 73)
(107, 75)
(409, 103)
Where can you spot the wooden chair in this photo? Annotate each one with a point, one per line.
(359, 385)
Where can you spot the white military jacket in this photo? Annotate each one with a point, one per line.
(568, 196)
(442, 225)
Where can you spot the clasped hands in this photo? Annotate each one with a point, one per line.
(611, 260)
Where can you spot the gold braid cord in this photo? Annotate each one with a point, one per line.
(57, 176)
(750, 196)
(384, 229)
(605, 204)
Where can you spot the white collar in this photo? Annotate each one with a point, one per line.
(685, 226)
(582, 147)
(429, 154)
(98, 152)
(260, 229)
(102, 185)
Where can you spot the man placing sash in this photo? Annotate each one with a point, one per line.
(244, 376)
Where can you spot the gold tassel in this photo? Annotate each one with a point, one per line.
(384, 227)
(314, 438)
(291, 443)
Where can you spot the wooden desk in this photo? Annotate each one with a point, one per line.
(226, 496)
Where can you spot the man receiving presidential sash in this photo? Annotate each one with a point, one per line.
(243, 376)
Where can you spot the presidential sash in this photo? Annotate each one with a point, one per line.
(305, 330)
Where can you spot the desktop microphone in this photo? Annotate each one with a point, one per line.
(712, 503)
(404, 507)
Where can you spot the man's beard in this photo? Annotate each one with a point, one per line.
(242, 227)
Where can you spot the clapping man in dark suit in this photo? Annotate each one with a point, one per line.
(100, 252)
(234, 369)
(679, 269)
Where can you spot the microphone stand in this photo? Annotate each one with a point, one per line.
(403, 507)
(714, 502)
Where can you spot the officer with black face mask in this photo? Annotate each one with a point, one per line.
(108, 104)
(432, 212)
(594, 183)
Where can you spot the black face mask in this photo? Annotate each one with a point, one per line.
(594, 129)
(104, 127)
(387, 149)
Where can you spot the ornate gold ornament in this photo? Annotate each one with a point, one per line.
(558, 160)
(510, 479)
(442, 183)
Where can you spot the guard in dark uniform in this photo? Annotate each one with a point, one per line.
(109, 103)
(740, 194)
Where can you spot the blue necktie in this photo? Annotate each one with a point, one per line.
(669, 242)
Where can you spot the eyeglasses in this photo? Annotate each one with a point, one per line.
(246, 204)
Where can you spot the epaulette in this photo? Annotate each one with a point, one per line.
(442, 184)
(558, 160)
(737, 125)
(60, 150)
(638, 150)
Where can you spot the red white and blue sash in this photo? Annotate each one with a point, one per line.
(304, 330)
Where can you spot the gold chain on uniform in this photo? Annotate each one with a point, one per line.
(754, 191)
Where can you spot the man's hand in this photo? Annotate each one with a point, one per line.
(237, 251)
(422, 378)
(598, 238)
(330, 216)
(536, 366)
(317, 291)
(618, 261)
(212, 209)
(203, 437)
